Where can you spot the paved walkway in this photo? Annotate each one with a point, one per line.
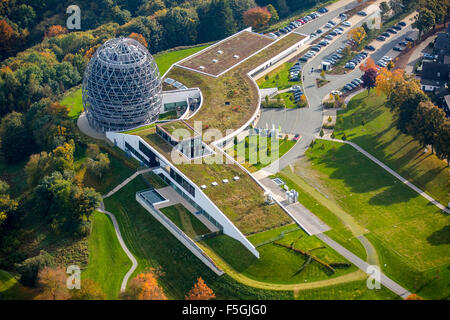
(395, 174)
(134, 263)
(362, 265)
(417, 53)
(126, 181)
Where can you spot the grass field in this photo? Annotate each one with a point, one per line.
(154, 246)
(185, 220)
(405, 224)
(11, 289)
(282, 73)
(379, 136)
(73, 100)
(278, 264)
(280, 147)
(166, 58)
(108, 263)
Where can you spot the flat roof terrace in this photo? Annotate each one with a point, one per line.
(242, 200)
(171, 127)
(220, 57)
(230, 100)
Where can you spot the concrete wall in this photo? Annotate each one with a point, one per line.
(200, 198)
(180, 235)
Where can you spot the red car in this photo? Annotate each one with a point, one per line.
(301, 21)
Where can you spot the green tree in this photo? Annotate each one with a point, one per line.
(274, 14)
(217, 21)
(238, 7)
(426, 123)
(442, 141)
(282, 8)
(384, 8)
(180, 26)
(16, 140)
(425, 19)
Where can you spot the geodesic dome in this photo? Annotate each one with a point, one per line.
(121, 86)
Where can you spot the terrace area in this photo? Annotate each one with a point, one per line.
(230, 100)
(241, 200)
(224, 55)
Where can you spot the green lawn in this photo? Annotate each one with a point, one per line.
(154, 246)
(379, 136)
(356, 290)
(11, 289)
(271, 81)
(108, 263)
(404, 223)
(73, 100)
(185, 220)
(252, 152)
(166, 58)
(288, 99)
(278, 264)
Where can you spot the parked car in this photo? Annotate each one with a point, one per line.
(343, 16)
(278, 33)
(316, 48)
(333, 33)
(401, 23)
(303, 59)
(319, 31)
(329, 37)
(362, 13)
(409, 39)
(386, 34)
(369, 47)
(328, 26)
(346, 24)
(402, 43)
(397, 49)
(428, 56)
(332, 22)
(398, 28)
(390, 30)
(322, 10)
(381, 38)
(358, 80)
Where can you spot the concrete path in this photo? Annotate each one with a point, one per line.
(395, 174)
(418, 52)
(309, 220)
(126, 181)
(362, 265)
(134, 263)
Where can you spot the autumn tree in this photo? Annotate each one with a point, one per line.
(414, 296)
(7, 36)
(369, 79)
(52, 282)
(386, 80)
(256, 17)
(7, 205)
(200, 291)
(89, 290)
(145, 287)
(368, 64)
(357, 34)
(139, 38)
(55, 30)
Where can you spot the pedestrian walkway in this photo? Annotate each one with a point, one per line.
(361, 264)
(395, 174)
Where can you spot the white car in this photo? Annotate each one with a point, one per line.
(338, 31)
(328, 26)
(386, 58)
(346, 24)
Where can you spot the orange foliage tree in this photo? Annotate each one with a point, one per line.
(368, 64)
(138, 37)
(6, 35)
(145, 287)
(200, 291)
(55, 30)
(414, 296)
(357, 34)
(387, 79)
(257, 17)
(52, 282)
(89, 290)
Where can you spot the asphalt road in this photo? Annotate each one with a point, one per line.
(308, 121)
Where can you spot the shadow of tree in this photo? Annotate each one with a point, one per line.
(440, 237)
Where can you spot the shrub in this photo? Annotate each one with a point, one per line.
(30, 267)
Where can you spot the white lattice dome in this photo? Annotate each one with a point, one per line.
(121, 86)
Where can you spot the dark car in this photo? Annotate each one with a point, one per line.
(402, 43)
(381, 38)
(278, 33)
(409, 39)
(386, 34)
(369, 47)
(283, 30)
(390, 30)
(319, 31)
(333, 33)
(362, 13)
(397, 49)
(315, 48)
(401, 23)
(398, 28)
